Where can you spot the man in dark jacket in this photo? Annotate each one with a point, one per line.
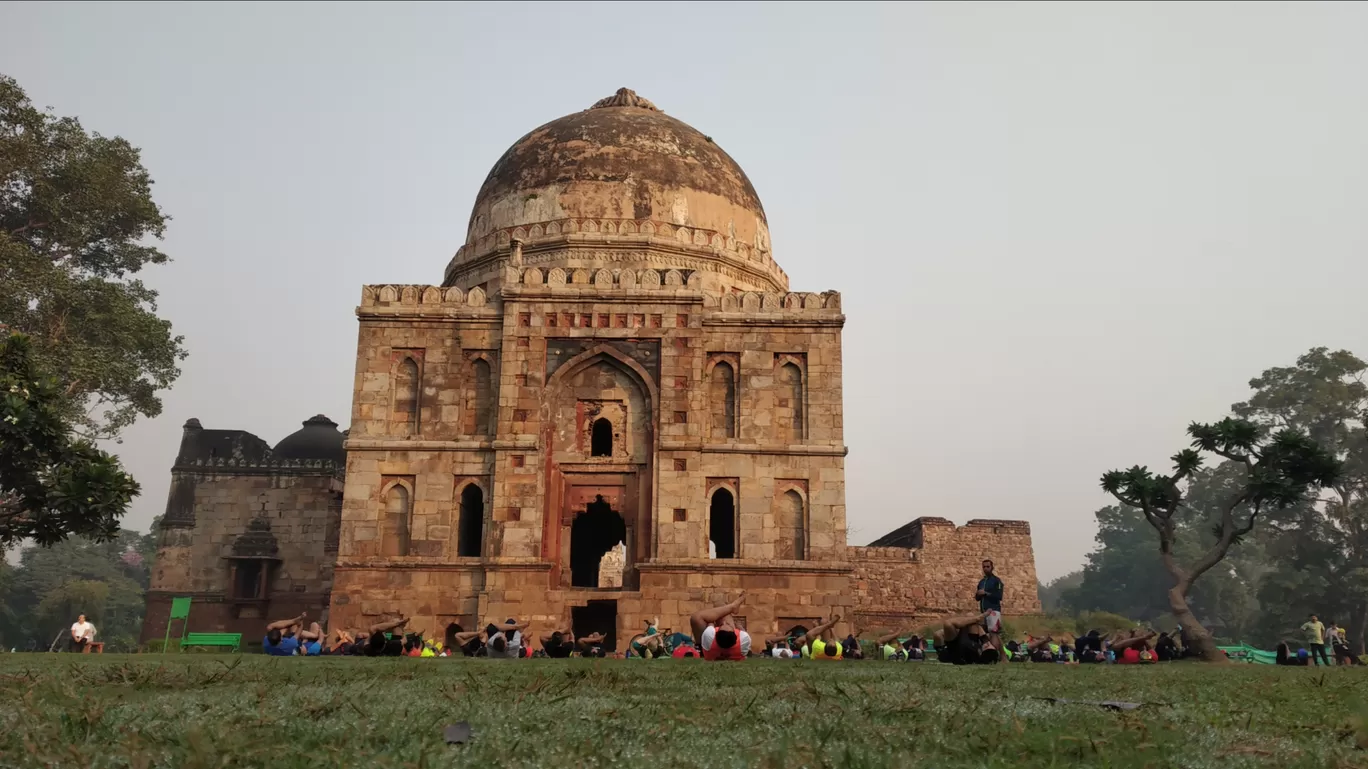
(989, 595)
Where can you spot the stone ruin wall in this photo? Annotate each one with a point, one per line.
(929, 568)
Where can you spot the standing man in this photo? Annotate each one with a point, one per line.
(989, 595)
(82, 633)
(1315, 640)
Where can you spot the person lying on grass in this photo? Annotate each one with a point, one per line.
(964, 641)
(651, 644)
(470, 642)
(281, 640)
(798, 642)
(592, 645)
(559, 643)
(891, 648)
(1089, 649)
(824, 645)
(505, 641)
(1135, 648)
(716, 633)
(385, 639)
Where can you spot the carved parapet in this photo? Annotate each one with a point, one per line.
(827, 303)
(622, 233)
(608, 279)
(422, 300)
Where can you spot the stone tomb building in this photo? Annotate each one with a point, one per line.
(250, 530)
(615, 365)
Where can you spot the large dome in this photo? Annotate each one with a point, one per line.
(621, 167)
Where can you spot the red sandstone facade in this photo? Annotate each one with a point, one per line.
(614, 376)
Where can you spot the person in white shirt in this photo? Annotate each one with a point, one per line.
(82, 633)
(505, 641)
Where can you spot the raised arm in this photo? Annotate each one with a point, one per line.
(503, 627)
(816, 632)
(286, 624)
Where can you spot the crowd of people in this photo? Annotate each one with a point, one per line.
(713, 635)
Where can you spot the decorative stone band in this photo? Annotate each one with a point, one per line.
(619, 231)
(221, 465)
(532, 281)
(739, 565)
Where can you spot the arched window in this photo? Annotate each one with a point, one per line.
(406, 388)
(788, 519)
(480, 399)
(789, 406)
(722, 397)
(394, 539)
(722, 525)
(470, 531)
(601, 439)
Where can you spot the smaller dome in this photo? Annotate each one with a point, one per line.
(318, 439)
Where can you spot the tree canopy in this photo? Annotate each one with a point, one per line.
(76, 218)
(52, 485)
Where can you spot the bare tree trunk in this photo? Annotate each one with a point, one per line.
(1358, 627)
(1199, 639)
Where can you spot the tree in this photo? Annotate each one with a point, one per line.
(51, 485)
(1275, 471)
(1126, 575)
(1322, 548)
(76, 212)
(106, 581)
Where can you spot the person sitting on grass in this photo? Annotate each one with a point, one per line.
(505, 641)
(716, 633)
(1165, 648)
(280, 638)
(382, 640)
(964, 641)
(559, 643)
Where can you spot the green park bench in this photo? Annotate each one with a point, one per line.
(212, 639)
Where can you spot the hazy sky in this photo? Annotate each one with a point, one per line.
(1061, 232)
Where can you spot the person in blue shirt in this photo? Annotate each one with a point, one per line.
(280, 640)
(989, 595)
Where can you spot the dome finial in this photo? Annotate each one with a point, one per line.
(625, 97)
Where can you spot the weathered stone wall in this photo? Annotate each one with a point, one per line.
(635, 346)
(933, 569)
(193, 560)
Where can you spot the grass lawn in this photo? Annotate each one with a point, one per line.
(240, 711)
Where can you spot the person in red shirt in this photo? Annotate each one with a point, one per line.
(717, 635)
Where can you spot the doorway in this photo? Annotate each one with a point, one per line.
(595, 531)
(596, 617)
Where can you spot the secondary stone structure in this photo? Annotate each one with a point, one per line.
(615, 408)
(250, 531)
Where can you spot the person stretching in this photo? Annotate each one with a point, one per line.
(963, 641)
(382, 641)
(505, 640)
(716, 633)
(591, 645)
(890, 647)
(796, 643)
(650, 644)
(559, 643)
(280, 638)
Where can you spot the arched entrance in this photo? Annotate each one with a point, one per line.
(595, 531)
